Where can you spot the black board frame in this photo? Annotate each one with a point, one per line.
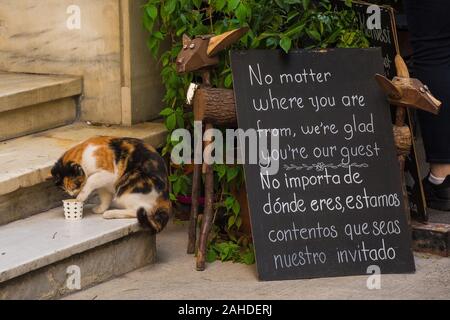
(408, 263)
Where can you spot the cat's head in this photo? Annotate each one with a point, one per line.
(69, 176)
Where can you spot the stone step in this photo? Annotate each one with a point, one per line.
(33, 102)
(431, 237)
(26, 163)
(42, 256)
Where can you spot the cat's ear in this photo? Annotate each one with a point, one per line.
(78, 169)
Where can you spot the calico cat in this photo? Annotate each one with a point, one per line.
(124, 170)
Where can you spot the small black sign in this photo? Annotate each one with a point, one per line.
(335, 207)
(383, 37)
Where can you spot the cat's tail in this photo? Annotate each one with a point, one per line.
(155, 221)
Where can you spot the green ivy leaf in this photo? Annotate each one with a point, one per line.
(231, 221)
(158, 35)
(295, 31)
(232, 4)
(313, 34)
(305, 4)
(170, 6)
(221, 170)
(272, 42)
(241, 12)
(171, 122)
(148, 23)
(176, 187)
(211, 255)
(227, 250)
(239, 222)
(229, 202)
(180, 121)
(197, 3)
(286, 44)
(236, 208)
(292, 15)
(281, 4)
(166, 112)
(152, 12)
(220, 4)
(265, 35)
(181, 31)
(248, 257)
(228, 82)
(232, 173)
(166, 150)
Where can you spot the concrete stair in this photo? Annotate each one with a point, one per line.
(26, 163)
(39, 254)
(37, 244)
(31, 103)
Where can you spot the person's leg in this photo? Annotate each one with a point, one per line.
(440, 171)
(436, 128)
(429, 25)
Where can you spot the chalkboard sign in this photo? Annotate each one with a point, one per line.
(335, 207)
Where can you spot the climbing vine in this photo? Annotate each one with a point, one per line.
(283, 24)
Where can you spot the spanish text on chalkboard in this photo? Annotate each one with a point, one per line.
(335, 206)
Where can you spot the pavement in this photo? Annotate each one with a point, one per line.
(173, 276)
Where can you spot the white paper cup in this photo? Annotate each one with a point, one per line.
(73, 210)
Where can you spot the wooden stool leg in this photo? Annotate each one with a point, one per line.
(403, 143)
(401, 161)
(207, 219)
(196, 182)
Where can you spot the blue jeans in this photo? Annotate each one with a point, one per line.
(429, 25)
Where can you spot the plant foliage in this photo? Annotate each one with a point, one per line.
(273, 24)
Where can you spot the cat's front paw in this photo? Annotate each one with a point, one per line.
(82, 197)
(99, 209)
(109, 215)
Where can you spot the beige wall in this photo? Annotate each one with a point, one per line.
(141, 79)
(121, 82)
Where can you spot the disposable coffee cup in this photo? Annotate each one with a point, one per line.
(73, 210)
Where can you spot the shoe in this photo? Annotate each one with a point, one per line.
(437, 196)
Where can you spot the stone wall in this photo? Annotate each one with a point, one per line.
(121, 81)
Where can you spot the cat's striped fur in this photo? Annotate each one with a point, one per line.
(124, 172)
